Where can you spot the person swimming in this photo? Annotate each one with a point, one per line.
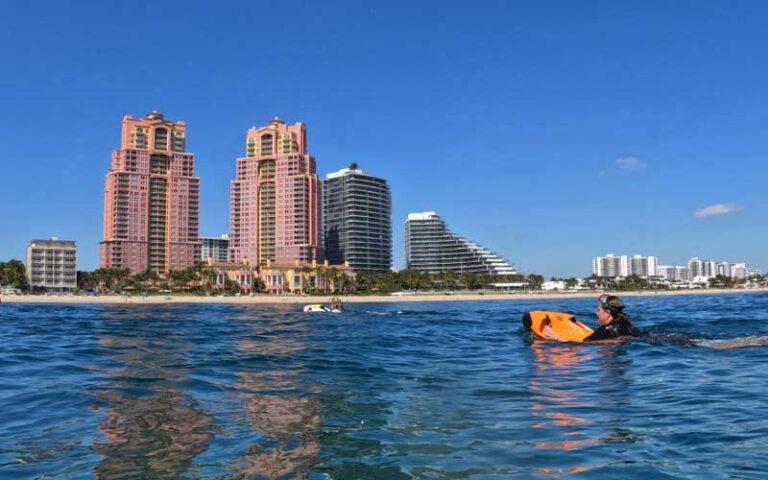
(336, 304)
(614, 323)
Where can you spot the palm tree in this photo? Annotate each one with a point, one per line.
(535, 281)
(13, 274)
(305, 272)
(207, 276)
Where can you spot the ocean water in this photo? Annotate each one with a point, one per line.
(382, 391)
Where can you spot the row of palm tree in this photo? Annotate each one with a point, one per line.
(415, 280)
(120, 279)
(333, 280)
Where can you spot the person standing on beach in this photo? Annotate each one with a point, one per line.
(614, 323)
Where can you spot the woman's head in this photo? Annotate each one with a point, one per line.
(609, 307)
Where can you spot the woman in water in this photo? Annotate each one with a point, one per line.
(336, 304)
(614, 323)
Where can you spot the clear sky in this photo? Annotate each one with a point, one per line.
(549, 132)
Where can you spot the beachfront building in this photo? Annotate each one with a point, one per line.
(279, 279)
(643, 266)
(702, 268)
(220, 273)
(612, 266)
(275, 198)
(431, 247)
(52, 265)
(310, 277)
(725, 269)
(357, 219)
(738, 270)
(696, 266)
(151, 199)
(673, 273)
(215, 248)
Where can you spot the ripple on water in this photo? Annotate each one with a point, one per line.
(383, 391)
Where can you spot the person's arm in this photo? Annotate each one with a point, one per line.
(602, 333)
(550, 334)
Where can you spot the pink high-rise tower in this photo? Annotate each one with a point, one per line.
(151, 199)
(275, 199)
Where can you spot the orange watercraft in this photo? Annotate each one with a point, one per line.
(558, 326)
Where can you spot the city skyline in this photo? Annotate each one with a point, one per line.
(631, 129)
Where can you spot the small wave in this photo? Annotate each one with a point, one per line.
(389, 313)
(751, 341)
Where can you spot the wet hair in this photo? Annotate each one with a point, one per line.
(615, 307)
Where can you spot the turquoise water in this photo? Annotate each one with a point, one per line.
(382, 391)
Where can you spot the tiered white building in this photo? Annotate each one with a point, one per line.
(431, 247)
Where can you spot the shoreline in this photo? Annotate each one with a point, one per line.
(309, 299)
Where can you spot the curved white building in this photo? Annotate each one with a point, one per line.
(431, 247)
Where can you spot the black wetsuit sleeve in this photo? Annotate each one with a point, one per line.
(603, 333)
(615, 330)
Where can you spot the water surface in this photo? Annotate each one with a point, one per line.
(382, 391)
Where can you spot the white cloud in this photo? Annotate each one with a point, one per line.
(630, 163)
(719, 209)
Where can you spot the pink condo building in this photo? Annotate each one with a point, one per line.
(151, 199)
(275, 199)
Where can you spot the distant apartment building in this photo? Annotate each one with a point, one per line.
(52, 265)
(612, 266)
(215, 248)
(357, 219)
(737, 270)
(752, 272)
(431, 247)
(725, 269)
(696, 267)
(643, 266)
(702, 268)
(275, 199)
(151, 199)
(674, 273)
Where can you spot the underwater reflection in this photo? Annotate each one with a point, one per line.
(151, 428)
(555, 369)
(279, 406)
(563, 374)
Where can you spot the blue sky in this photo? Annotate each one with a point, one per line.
(550, 132)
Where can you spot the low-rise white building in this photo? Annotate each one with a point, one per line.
(215, 248)
(553, 285)
(673, 273)
(52, 265)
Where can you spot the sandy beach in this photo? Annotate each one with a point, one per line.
(301, 299)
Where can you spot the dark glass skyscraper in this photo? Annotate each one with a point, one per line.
(357, 220)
